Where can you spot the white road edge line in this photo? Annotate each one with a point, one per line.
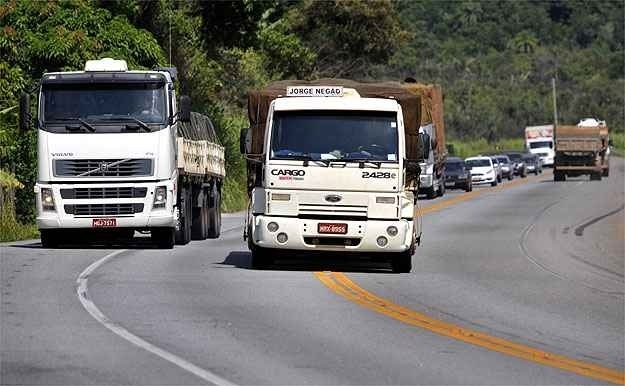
(127, 335)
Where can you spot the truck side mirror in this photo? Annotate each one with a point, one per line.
(184, 115)
(243, 140)
(424, 144)
(24, 112)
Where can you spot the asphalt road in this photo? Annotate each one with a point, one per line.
(536, 264)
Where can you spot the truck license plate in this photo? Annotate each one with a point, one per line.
(332, 228)
(104, 223)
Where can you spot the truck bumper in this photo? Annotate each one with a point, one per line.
(302, 234)
(78, 212)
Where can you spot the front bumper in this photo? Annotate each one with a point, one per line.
(426, 181)
(483, 179)
(146, 217)
(303, 235)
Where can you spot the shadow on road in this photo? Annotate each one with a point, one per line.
(312, 262)
(134, 243)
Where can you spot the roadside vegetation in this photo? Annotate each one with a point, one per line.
(494, 60)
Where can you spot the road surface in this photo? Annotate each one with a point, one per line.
(520, 284)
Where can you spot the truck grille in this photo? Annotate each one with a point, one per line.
(332, 210)
(139, 167)
(103, 209)
(97, 193)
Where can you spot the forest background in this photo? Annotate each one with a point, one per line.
(494, 59)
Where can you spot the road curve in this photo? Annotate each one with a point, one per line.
(537, 263)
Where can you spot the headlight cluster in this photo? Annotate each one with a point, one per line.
(47, 199)
(160, 197)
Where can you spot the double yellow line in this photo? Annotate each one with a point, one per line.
(342, 285)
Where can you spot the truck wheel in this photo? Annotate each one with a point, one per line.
(261, 258)
(606, 172)
(430, 192)
(559, 176)
(401, 262)
(214, 216)
(183, 235)
(50, 238)
(494, 183)
(163, 238)
(595, 176)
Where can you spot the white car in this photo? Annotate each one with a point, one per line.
(482, 170)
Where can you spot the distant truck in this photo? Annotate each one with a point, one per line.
(581, 150)
(539, 141)
(432, 180)
(333, 165)
(116, 155)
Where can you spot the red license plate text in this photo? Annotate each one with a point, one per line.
(332, 228)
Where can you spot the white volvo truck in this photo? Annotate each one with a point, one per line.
(329, 172)
(539, 140)
(115, 156)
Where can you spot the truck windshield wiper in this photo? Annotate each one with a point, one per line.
(82, 122)
(141, 124)
(361, 161)
(306, 158)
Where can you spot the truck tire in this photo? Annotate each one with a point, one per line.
(606, 172)
(199, 226)
(163, 238)
(214, 215)
(494, 183)
(183, 234)
(559, 176)
(441, 189)
(430, 193)
(596, 176)
(260, 257)
(401, 262)
(50, 238)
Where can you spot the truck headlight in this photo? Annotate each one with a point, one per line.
(160, 197)
(47, 199)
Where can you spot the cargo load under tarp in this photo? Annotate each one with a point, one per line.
(258, 106)
(578, 138)
(199, 151)
(431, 111)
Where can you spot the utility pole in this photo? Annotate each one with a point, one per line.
(555, 105)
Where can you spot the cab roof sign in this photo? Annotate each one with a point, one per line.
(314, 91)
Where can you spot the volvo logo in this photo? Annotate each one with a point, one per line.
(104, 167)
(333, 198)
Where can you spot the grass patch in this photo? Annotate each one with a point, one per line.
(472, 147)
(618, 143)
(13, 231)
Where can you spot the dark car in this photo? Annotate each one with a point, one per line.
(507, 166)
(533, 163)
(457, 174)
(519, 168)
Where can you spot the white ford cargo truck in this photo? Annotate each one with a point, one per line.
(329, 171)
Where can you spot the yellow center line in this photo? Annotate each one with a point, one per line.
(342, 285)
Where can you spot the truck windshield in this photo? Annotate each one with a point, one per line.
(541, 144)
(103, 104)
(335, 135)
